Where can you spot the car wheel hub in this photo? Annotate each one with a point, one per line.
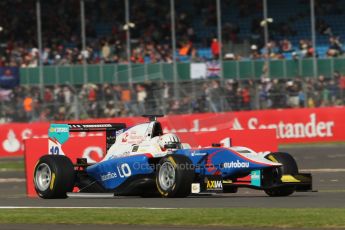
(166, 176)
(43, 177)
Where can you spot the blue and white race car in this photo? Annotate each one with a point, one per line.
(141, 160)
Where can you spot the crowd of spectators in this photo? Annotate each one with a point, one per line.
(58, 102)
(151, 43)
(150, 35)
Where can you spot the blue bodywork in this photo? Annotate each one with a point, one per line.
(113, 172)
(209, 161)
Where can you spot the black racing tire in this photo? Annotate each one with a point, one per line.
(54, 176)
(289, 166)
(174, 176)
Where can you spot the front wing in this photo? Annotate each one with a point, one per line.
(302, 183)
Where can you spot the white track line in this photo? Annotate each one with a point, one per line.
(11, 170)
(43, 207)
(12, 180)
(325, 170)
(90, 195)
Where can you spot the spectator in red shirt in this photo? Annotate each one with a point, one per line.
(92, 94)
(245, 98)
(215, 48)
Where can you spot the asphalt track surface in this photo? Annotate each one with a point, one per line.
(325, 162)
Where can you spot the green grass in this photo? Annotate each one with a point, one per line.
(17, 165)
(314, 144)
(231, 217)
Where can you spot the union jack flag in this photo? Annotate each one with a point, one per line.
(213, 69)
(5, 95)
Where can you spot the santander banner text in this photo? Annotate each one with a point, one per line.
(291, 125)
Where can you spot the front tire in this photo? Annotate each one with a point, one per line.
(54, 176)
(175, 174)
(289, 166)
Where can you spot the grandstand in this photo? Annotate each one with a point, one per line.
(196, 21)
(251, 75)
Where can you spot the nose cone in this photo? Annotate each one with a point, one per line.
(268, 162)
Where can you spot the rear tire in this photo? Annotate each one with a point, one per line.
(54, 176)
(175, 175)
(289, 166)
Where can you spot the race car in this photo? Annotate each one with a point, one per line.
(143, 161)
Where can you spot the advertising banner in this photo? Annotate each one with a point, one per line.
(9, 77)
(197, 70)
(291, 126)
(93, 145)
(13, 134)
(296, 125)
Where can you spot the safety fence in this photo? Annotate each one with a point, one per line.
(92, 101)
(119, 73)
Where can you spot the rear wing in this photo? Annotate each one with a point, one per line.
(58, 134)
(96, 127)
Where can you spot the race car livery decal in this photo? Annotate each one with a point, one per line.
(113, 172)
(222, 161)
(236, 164)
(214, 185)
(59, 132)
(124, 138)
(255, 178)
(123, 171)
(118, 132)
(108, 176)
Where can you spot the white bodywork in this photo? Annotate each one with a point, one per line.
(136, 140)
(252, 155)
(54, 147)
(141, 139)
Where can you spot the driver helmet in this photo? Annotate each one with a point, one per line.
(169, 138)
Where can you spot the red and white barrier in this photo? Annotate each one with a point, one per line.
(292, 126)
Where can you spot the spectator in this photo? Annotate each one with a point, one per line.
(185, 49)
(28, 107)
(245, 98)
(285, 45)
(215, 48)
(214, 96)
(106, 52)
(293, 94)
(276, 94)
(323, 28)
(254, 52)
(141, 98)
(335, 47)
(306, 48)
(126, 99)
(110, 111)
